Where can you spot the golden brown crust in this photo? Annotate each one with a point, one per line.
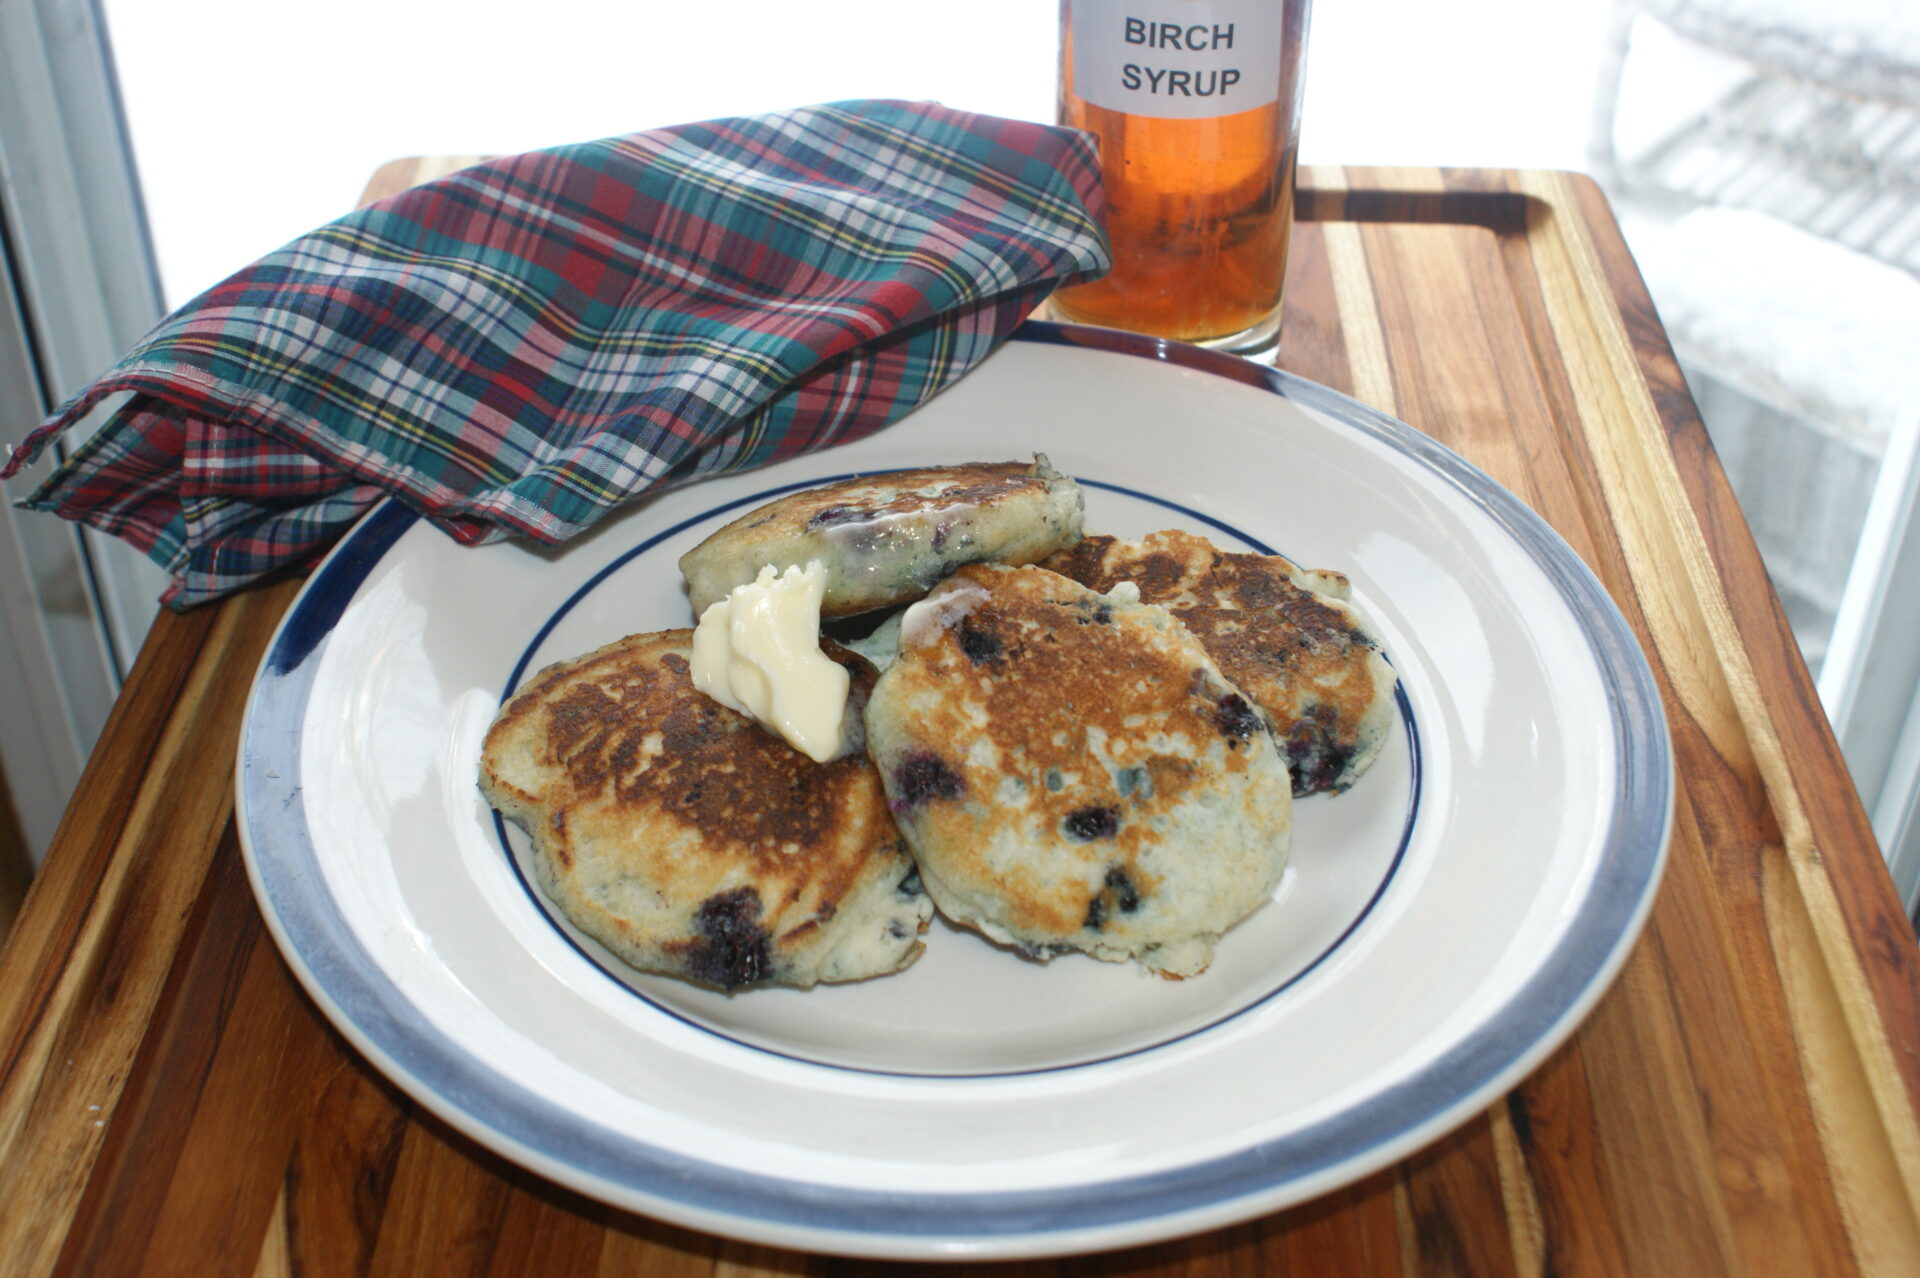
(1304, 658)
(705, 766)
(624, 773)
(1102, 719)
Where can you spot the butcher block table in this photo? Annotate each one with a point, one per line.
(1742, 1101)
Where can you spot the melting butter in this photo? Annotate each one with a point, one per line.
(758, 651)
(942, 610)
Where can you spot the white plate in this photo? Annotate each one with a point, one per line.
(1443, 926)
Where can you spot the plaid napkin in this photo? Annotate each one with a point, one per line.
(518, 348)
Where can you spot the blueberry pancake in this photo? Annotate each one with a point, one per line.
(1286, 636)
(690, 841)
(886, 539)
(1072, 771)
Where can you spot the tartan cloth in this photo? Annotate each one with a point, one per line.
(518, 348)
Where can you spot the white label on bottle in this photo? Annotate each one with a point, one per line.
(1177, 59)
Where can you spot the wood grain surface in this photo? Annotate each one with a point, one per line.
(1742, 1101)
(16, 865)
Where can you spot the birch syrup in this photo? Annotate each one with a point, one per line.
(1196, 107)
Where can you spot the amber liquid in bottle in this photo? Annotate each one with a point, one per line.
(1200, 213)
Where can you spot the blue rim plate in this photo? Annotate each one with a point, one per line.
(1446, 924)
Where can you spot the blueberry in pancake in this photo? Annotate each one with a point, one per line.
(692, 842)
(887, 539)
(1288, 637)
(1073, 772)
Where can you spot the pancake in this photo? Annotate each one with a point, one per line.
(1073, 772)
(690, 841)
(1288, 637)
(886, 539)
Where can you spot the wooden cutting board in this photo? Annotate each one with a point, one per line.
(1743, 1101)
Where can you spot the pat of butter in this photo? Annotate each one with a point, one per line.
(758, 651)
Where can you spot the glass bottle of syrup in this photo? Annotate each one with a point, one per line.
(1196, 107)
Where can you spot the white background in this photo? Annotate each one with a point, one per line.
(254, 123)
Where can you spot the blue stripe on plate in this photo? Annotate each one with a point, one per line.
(343, 977)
